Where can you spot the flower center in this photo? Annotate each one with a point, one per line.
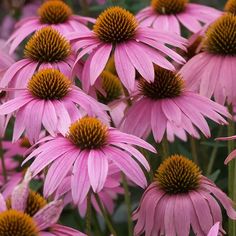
(54, 12)
(47, 45)
(177, 174)
(169, 6)
(115, 25)
(49, 84)
(167, 84)
(35, 202)
(111, 85)
(230, 6)
(16, 223)
(88, 133)
(221, 36)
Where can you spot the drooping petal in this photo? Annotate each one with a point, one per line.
(97, 169)
(48, 215)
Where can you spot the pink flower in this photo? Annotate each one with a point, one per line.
(53, 13)
(86, 150)
(46, 48)
(107, 195)
(25, 219)
(180, 198)
(55, 100)
(168, 15)
(135, 47)
(212, 71)
(167, 105)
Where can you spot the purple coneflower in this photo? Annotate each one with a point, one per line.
(168, 105)
(86, 150)
(46, 48)
(212, 71)
(135, 47)
(180, 198)
(53, 97)
(168, 15)
(53, 13)
(28, 213)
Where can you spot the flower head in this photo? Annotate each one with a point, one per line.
(180, 198)
(55, 99)
(54, 13)
(28, 213)
(168, 105)
(87, 150)
(211, 72)
(47, 45)
(135, 47)
(230, 6)
(169, 15)
(46, 48)
(115, 25)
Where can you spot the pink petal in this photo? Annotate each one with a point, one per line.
(3, 206)
(124, 67)
(97, 169)
(48, 215)
(140, 60)
(49, 118)
(130, 168)
(99, 61)
(55, 176)
(80, 184)
(214, 231)
(158, 122)
(189, 22)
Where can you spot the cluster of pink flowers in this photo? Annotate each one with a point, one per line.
(87, 101)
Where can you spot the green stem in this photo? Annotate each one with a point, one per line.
(194, 150)
(128, 204)
(231, 175)
(106, 216)
(165, 148)
(88, 215)
(97, 228)
(4, 170)
(213, 153)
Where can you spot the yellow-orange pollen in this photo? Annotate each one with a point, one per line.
(169, 6)
(35, 202)
(54, 12)
(111, 86)
(47, 45)
(230, 6)
(177, 174)
(220, 37)
(115, 25)
(167, 84)
(88, 133)
(16, 223)
(49, 84)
